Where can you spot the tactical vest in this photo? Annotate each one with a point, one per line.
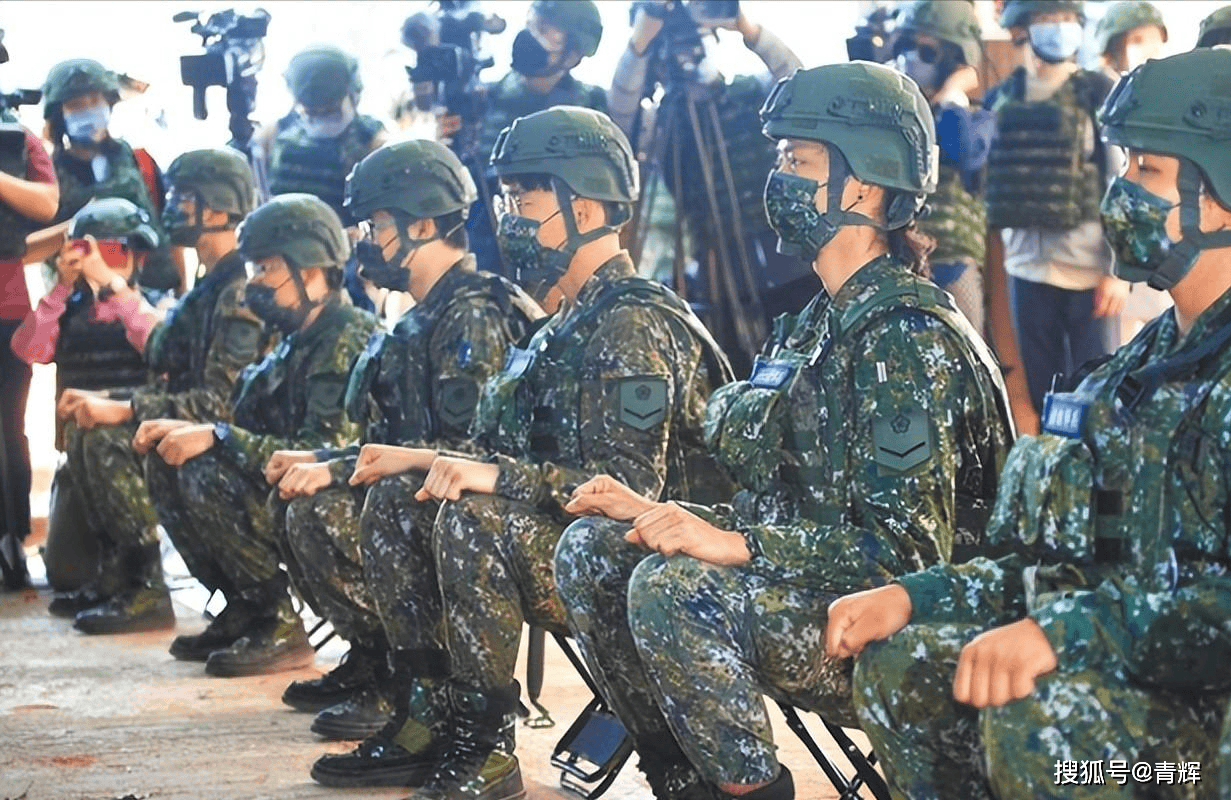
(13, 160)
(300, 163)
(1038, 174)
(507, 419)
(765, 439)
(94, 355)
(389, 392)
(124, 179)
(957, 220)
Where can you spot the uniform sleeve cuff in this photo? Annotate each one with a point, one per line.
(929, 595)
(518, 480)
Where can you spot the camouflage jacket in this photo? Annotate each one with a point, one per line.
(1110, 530)
(418, 385)
(292, 399)
(870, 433)
(614, 383)
(197, 352)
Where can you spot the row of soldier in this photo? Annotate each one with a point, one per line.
(428, 484)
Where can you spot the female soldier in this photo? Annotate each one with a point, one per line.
(866, 440)
(1106, 615)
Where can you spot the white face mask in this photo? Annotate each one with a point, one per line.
(329, 126)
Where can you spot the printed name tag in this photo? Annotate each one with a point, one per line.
(770, 374)
(1064, 414)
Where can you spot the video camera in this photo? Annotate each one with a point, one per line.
(875, 38)
(20, 97)
(234, 54)
(449, 57)
(679, 48)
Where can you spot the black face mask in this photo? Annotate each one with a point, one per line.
(260, 299)
(374, 267)
(532, 59)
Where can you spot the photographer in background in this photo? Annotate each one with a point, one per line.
(29, 195)
(91, 164)
(703, 142)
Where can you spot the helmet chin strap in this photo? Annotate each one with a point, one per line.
(835, 214)
(1192, 239)
(573, 239)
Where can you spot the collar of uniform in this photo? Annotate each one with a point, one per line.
(1169, 340)
(323, 323)
(869, 279)
(448, 283)
(613, 269)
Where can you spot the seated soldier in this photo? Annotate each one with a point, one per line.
(94, 326)
(865, 442)
(614, 382)
(194, 359)
(413, 390)
(207, 480)
(1096, 629)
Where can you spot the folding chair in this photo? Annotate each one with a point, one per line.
(865, 774)
(596, 746)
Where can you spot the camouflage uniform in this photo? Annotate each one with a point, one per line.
(617, 385)
(415, 387)
(213, 506)
(1133, 617)
(826, 509)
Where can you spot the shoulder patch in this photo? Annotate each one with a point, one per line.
(901, 439)
(643, 402)
(458, 398)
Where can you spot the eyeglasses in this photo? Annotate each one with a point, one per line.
(368, 229)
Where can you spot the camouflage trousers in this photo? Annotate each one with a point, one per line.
(217, 518)
(593, 567)
(319, 540)
(110, 486)
(494, 561)
(714, 640)
(399, 567)
(1057, 743)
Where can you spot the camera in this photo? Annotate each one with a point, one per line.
(875, 38)
(20, 97)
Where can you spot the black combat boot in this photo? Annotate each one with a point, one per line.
(668, 771)
(221, 632)
(143, 606)
(356, 670)
(368, 708)
(274, 641)
(473, 768)
(406, 750)
(108, 582)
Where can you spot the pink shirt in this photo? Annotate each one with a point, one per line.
(34, 341)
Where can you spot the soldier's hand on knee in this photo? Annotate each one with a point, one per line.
(184, 444)
(283, 460)
(378, 461)
(670, 529)
(152, 431)
(863, 617)
(605, 495)
(1001, 665)
(304, 480)
(69, 400)
(450, 477)
(94, 412)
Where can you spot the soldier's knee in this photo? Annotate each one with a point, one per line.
(885, 663)
(580, 554)
(649, 593)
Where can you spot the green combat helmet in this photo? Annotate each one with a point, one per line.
(217, 178)
(76, 77)
(1215, 29)
(1017, 13)
(320, 77)
(950, 22)
(414, 180)
(1124, 17)
(579, 19)
(587, 155)
(1178, 106)
(301, 228)
(115, 218)
(881, 125)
